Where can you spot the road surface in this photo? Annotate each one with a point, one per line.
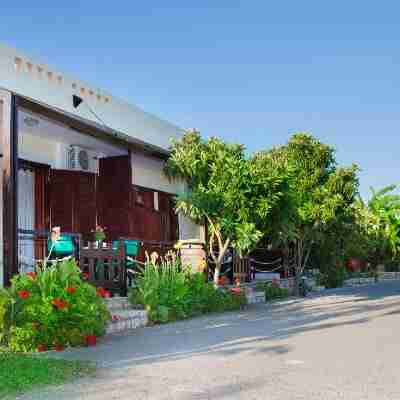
(343, 344)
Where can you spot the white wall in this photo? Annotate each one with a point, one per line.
(37, 149)
(148, 172)
(188, 230)
(47, 142)
(28, 77)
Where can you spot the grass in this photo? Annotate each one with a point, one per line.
(21, 373)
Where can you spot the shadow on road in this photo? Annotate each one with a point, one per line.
(250, 331)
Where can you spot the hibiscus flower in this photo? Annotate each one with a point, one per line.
(23, 294)
(71, 290)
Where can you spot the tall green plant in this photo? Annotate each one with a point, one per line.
(378, 224)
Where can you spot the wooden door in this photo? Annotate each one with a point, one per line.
(114, 195)
(73, 201)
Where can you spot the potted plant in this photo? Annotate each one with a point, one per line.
(99, 236)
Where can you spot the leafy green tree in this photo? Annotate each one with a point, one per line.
(320, 197)
(225, 192)
(378, 225)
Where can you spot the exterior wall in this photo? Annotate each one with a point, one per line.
(148, 172)
(38, 149)
(27, 77)
(188, 230)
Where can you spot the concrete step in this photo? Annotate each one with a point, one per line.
(117, 303)
(125, 319)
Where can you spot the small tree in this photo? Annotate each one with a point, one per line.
(377, 225)
(225, 193)
(321, 194)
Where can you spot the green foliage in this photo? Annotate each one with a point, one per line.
(320, 197)
(226, 190)
(274, 292)
(377, 226)
(169, 292)
(20, 373)
(332, 277)
(53, 307)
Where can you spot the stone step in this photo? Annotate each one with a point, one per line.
(117, 303)
(124, 320)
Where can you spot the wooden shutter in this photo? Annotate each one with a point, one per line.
(73, 201)
(114, 195)
(62, 200)
(84, 203)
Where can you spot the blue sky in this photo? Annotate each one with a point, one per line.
(249, 71)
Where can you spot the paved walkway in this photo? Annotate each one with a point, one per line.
(343, 344)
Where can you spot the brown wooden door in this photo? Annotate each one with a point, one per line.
(73, 201)
(114, 195)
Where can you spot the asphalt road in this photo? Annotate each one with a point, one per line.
(343, 344)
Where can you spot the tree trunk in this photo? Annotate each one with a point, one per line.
(216, 274)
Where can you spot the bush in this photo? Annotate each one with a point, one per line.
(51, 308)
(170, 292)
(274, 292)
(332, 278)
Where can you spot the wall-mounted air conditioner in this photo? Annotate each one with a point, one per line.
(81, 159)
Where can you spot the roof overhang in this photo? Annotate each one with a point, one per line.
(91, 128)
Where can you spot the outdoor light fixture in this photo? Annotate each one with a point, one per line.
(76, 100)
(31, 122)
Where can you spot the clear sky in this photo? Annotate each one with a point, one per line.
(249, 71)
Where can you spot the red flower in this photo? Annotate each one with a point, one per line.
(115, 318)
(91, 340)
(41, 348)
(71, 290)
(60, 304)
(59, 347)
(103, 292)
(23, 294)
(85, 276)
(31, 275)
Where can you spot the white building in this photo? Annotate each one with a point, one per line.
(74, 156)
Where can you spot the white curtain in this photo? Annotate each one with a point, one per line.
(26, 219)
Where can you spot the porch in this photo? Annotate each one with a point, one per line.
(55, 174)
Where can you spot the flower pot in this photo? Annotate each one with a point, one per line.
(91, 340)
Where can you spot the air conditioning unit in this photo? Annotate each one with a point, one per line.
(80, 159)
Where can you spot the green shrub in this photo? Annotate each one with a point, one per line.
(274, 292)
(170, 292)
(50, 308)
(332, 278)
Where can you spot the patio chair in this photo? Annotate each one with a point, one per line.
(63, 247)
(131, 252)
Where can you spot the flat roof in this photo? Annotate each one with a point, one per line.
(40, 83)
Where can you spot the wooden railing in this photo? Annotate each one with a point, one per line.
(105, 267)
(241, 268)
(148, 246)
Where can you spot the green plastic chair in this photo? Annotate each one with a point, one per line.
(131, 251)
(63, 247)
